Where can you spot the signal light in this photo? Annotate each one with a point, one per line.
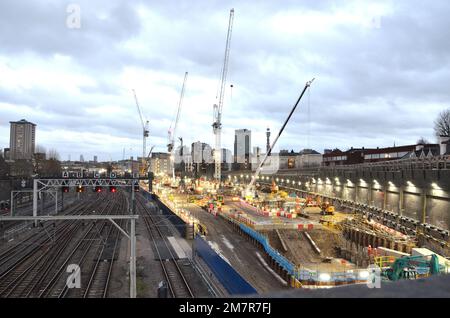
(112, 189)
(65, 189)
(136, 188)
(79, 189)
(98, 189)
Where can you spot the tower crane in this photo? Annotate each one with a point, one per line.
(172, 132)
(145, 133)
(248, 189)
(217, 108)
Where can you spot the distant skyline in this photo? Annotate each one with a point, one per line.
(382, 72)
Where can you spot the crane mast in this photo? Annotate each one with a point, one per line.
(217, 108)
(145, 132)
(172, 133)
(248, 189)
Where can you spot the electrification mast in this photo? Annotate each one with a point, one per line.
(217, 108)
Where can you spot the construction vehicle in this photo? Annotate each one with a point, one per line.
(310, 202)
(145, 134)
(327, 208)
(172, 131)
(274, 187)
(217, 108)
(412, 267)
(145, 166)
(249, 190)
(219, 198)
(282, 194)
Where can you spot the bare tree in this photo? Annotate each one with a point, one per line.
(21, 168)
(53, 154)
(40, 149)
(442, 123)
(423, 141)
(4, 168)
(51, 168)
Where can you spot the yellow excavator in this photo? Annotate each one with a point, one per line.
(145, 166)
(327, 208)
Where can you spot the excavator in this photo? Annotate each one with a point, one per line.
(145, 164)
(327, 208)
(410, 267)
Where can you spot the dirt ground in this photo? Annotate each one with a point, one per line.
(300, 251)
(327, 241)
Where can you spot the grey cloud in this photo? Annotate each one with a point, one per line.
(402, 63)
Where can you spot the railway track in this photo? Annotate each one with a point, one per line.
(41, 237)
(30, 267)
(34, 239)
(99, 280)
(99, 277)
(178, 285)
(27, 209)
(37, 269)
(55, 286)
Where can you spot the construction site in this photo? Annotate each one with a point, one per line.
(183, 219)
(309, 239)
(306, 241)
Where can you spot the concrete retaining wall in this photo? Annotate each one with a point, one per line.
(423, 195)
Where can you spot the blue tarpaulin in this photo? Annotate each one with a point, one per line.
(225, 273)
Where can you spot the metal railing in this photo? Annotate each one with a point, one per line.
(429, 163)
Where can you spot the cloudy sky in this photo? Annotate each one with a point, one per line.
(381, 67)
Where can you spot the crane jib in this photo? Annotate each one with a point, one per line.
(250, 185)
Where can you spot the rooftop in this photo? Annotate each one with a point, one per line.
(309, 152)
(22, 121)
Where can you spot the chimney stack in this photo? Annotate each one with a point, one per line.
(268, 140)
